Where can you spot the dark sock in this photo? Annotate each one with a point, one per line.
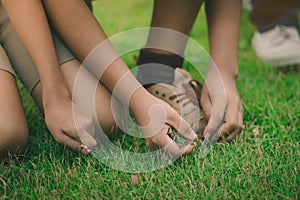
(89, 4)
(157, 68)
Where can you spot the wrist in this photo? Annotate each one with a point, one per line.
(229, 78)
(54, 94)
(138, 98)
(226, 61)
(229, 73)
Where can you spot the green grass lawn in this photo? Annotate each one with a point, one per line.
(263, 163)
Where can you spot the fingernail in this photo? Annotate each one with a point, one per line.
(85, 150)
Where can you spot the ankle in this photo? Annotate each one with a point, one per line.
(157, 66)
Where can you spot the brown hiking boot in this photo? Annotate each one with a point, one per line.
(184, 96)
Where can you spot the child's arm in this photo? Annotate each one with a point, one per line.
(82, 33)
(223, 19)
(30, 22)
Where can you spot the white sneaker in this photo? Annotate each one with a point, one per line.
(184, 96)
(279, 46)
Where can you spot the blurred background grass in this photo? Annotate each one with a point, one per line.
(263, 163)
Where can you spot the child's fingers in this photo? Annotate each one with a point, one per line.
(184, 129)
(215, 122)
(217, 114)
(182, 126)
(87, 139)
(240, 126)
(206, 103)
(84, 126)
(79, 133)
(233, 120)
(176, 151)
(162, 140)
(232, 135)
(72, 143)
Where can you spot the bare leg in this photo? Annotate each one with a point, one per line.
(165, 47)
(172, 14)
(164, 53)
(223, 17)
(13, 125)
(103, 97)
(176, 15)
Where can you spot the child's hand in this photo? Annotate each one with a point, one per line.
(165, 139)
(156, 117)
(214, 106)
(59, 118)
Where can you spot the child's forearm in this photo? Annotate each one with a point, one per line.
(30, 22)
(223, 19)
(82, 33)
(220, 99)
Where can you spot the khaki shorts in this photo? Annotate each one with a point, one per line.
(4, 61)
(21, 62)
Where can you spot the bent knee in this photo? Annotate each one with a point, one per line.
(13, 140)
(108, 125)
